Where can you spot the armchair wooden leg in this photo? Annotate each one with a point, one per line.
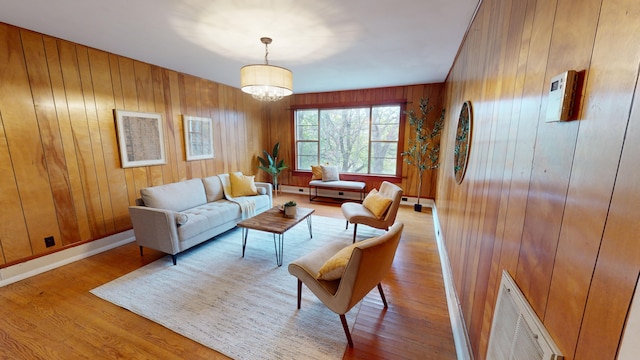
(174, 258)
(347, 226)
(355, 230)
(299, 292)
(140, 250)
(345, 326)
(384, 300)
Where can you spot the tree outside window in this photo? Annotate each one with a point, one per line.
(359, 140)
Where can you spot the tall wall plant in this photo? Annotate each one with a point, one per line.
(424, 146)
(271, 165)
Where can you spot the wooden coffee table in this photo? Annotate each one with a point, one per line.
(274, 221)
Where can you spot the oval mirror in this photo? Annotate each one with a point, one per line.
(463, 141)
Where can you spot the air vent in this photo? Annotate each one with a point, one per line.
(516, 331)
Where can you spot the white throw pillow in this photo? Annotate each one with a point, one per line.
(330, 173)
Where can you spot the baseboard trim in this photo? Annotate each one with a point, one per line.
(24, 270)
(460, 334)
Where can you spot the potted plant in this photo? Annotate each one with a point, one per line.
(290, 209)
(271, 165)
(424, 146)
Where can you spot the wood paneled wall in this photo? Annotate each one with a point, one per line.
(282, 128)
(555, 204)
(59, 159)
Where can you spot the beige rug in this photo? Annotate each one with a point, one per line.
(245, 307)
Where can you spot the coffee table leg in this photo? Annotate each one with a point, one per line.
(309, 225)
(245, 232)
(279, 248)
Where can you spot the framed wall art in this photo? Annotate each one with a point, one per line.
(140, 138)
(198, 137)
(463, 141)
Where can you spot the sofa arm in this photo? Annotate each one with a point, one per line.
(269, 190)
(155, 228)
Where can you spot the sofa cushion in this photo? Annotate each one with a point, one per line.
(213, 188)
(242, 185)
(175, 196)
(207, 216)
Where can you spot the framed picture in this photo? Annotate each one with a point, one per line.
(141, 138)
(198, 137)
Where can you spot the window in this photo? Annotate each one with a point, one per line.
(359, 140)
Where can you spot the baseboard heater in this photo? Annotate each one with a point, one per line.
(516, 331)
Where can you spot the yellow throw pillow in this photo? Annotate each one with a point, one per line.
(242, 185)
(316, 172)
(333, 268)
(376, 203)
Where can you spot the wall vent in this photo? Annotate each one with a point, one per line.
(516, 331)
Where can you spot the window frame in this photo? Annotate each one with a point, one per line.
(370, 105)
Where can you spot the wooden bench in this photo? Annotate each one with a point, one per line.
(336, 185)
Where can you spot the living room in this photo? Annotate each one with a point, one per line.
(553, 203)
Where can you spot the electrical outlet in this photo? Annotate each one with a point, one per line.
(49, 241)
(405, 199)
(300, 190)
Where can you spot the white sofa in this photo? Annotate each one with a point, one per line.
(174, 217)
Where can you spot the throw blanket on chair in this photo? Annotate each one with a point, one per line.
(246, 203)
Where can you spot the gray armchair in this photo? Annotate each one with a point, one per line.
(368, 264)
(356, 213)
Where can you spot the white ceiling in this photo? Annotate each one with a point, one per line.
(329, 45)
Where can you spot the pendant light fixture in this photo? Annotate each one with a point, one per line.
(266, 82)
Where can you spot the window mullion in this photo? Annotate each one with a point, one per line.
(369, 142)
(318, 137)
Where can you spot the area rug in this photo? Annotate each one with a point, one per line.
(245, 307)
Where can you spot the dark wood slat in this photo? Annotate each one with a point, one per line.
(13, 233)
(25, 146)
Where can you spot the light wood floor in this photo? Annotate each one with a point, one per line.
(53, 315)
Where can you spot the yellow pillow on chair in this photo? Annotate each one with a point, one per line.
(376, 203)
(242, 185)
(333, 268)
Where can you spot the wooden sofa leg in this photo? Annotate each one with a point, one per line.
(355, 230)
(174, 258)
(140, 250)
(384, 300)
(347, 226)
(345, 326)
(299, 293)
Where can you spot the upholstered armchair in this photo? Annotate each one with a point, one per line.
(371, 211)
(340, 276)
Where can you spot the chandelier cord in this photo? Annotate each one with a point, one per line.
(266, 53)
